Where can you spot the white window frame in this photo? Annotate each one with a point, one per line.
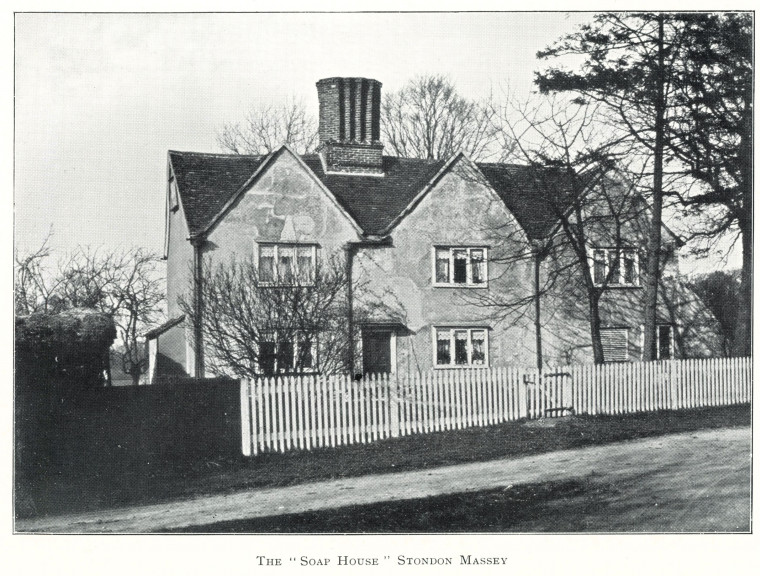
(657, 340)
(468, 282)
(173, 196)
(275, 338)
(276, 246)
(609, 254)
(452, 347)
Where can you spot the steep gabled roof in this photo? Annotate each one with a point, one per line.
(376, 201)
(526, 195)
(208, 182)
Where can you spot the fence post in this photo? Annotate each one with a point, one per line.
(522, 393)
(245, 415)
(393, 401)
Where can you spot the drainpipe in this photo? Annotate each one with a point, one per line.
(350, 249)
(200, 364)
(537, 257)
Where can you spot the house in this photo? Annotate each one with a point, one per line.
(445, 248)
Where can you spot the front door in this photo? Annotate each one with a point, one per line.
(376, 347)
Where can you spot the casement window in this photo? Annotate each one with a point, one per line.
(281, 355)
(460, 347)
(286, 263)
(460, 266)
(615, 344)
(664, 342)
(615, 267)
(173, 197)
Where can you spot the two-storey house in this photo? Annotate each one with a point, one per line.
(444, 248)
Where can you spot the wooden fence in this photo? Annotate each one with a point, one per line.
(314, 411)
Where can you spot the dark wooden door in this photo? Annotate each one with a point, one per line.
(376, 348)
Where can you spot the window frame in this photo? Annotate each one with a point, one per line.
(173, 196)
(619, 280)
(275, 339)
(276, 246)
(671, 341)
(671, 345)
(452, 249)
(452, 347)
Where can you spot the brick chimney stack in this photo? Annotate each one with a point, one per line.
(349, 125)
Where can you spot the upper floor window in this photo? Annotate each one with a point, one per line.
(461, 347)
(287, 263)
(460, 266)
(615, 267)
(173, 196)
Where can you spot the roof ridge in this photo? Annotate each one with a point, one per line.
(218, 154)
(506, 164)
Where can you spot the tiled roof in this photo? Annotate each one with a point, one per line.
(526, 195)
(158, 330)
(374, 202)
(207, 182)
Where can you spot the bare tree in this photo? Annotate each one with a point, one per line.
(267, 127)
(631, 65)
(429, 119)
(252, 327)
(34, 287)
(124, 284)
(595, 200)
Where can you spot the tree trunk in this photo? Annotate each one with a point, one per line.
(595, 325)
(537, 288)
(743, 336)
(652, 278)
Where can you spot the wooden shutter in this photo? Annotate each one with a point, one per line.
(615, 344)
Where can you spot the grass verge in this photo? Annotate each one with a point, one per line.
(59, 491)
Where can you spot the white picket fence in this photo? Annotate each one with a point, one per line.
(305, 412)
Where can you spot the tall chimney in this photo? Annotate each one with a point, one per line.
(349, 125)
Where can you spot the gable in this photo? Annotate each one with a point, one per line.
(283, 203)
(375, 202)
(525, 195)
(208, 183)
(460, 207)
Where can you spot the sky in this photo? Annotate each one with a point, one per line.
(100, 98)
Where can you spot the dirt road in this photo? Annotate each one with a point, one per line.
(694, 482)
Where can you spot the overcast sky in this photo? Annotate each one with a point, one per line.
(100, 98)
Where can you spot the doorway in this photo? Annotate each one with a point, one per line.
(377, 351)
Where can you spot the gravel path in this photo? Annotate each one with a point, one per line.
(693, 482)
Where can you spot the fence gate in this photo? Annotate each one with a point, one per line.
(295, 412)
(550, 394)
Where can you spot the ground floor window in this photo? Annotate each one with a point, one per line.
(460, 347)
(279, 354)
(615, 344)
(664, 342)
